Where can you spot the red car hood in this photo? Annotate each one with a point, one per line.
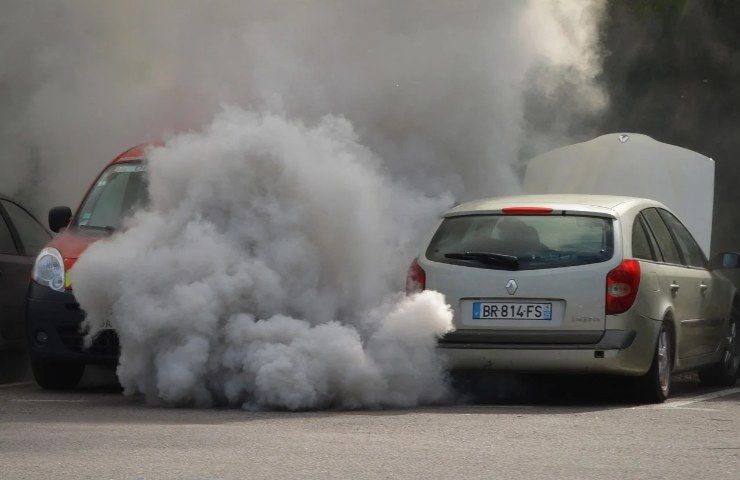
(71, 243)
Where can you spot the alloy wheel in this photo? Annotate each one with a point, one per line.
(731, 359)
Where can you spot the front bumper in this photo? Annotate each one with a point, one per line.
(58, 315)
(625, 350)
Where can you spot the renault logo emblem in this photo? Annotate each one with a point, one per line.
(511, 286)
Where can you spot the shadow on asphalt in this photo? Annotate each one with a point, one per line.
(534, 389)
(14, 367)
(99, 379)
(524, 393)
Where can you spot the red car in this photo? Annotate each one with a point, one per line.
(53, 316)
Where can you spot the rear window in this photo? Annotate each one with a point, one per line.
(536, 242)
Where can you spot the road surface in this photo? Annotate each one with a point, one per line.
(568, 429)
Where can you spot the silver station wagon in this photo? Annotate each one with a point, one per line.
(581, 284)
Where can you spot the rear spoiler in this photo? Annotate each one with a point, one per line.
(500, 211)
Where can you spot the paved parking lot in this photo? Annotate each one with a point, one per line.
(542, 427)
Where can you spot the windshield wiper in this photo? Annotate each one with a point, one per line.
(106, 228)
(506, 262)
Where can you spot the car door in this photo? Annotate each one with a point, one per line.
(681, 283)
(16, 262)
(708, 324)
(14, 273)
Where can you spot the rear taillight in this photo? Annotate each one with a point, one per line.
(622, 284)
(416, 279)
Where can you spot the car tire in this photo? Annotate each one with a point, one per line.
(655, 385)
(57, 376)
(725, 372)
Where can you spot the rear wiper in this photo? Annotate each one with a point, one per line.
(507, 262)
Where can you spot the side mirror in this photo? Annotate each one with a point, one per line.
(59, 218)
(726, 260)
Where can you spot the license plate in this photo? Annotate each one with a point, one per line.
(511, 311)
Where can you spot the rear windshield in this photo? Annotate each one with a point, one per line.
(524, 242)
(119, 191)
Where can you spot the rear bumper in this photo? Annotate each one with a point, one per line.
(624, 351)
(58, 315)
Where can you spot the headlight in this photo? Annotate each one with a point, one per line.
(49, 269)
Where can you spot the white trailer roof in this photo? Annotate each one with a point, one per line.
(634, 165)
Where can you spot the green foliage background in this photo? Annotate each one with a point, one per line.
(671, 69)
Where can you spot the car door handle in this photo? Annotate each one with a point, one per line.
(674, 288)
(703, 287)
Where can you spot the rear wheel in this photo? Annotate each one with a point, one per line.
(725, 372)
(57, 376)
(655, 385)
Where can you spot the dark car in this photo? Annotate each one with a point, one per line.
(56, 343)
(21, 238)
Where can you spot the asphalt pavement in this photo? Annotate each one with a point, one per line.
(518, 427)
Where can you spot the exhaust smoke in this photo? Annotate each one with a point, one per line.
(264, 274)
(266, 271)
(435, 88)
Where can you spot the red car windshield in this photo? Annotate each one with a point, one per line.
(119, 191)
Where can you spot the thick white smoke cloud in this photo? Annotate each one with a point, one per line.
(434, 87)
(267, 269)
(264, 273)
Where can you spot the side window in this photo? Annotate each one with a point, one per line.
(7, 245)
(690, 249)
(33, 236)
(641, 247)
(665, 241)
